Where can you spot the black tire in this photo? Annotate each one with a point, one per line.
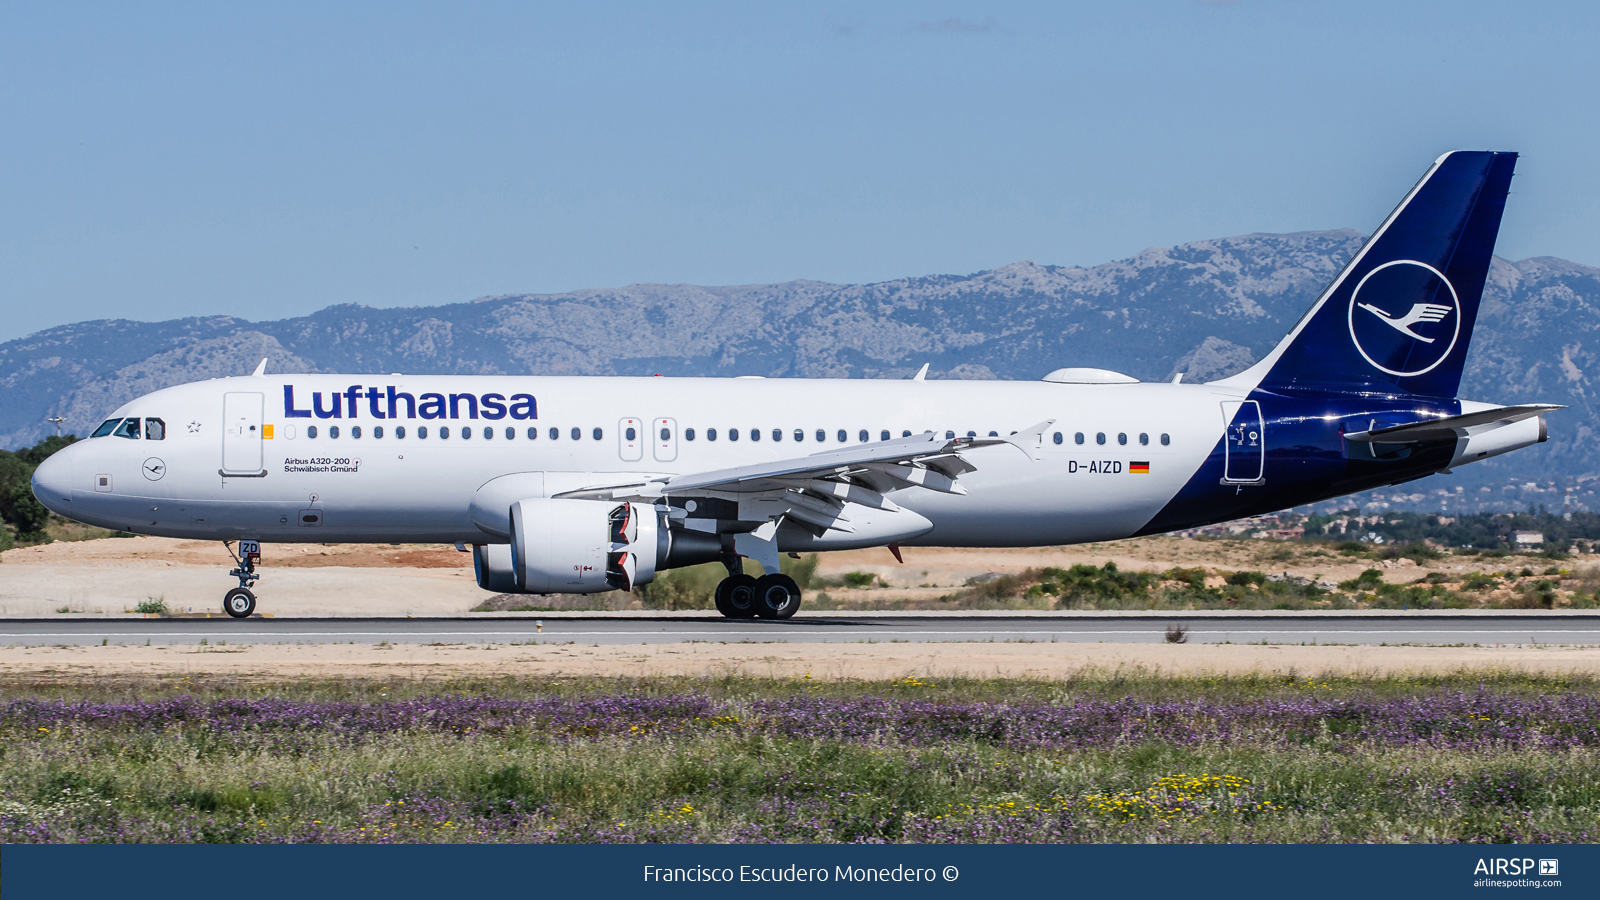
(736, 597)
(239, 603)
(777, 597)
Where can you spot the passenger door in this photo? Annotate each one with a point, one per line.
(241, 433)
(631, 439)
(664, 436)
(1245, 447)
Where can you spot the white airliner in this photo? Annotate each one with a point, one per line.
(578, 485)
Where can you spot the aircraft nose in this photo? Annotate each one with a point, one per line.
(52, 481)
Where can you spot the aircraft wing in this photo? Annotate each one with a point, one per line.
(1452, 427)
(813, 490)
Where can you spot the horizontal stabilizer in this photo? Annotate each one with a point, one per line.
(1452, 427)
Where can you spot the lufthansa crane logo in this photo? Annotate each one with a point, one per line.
(1405, 317)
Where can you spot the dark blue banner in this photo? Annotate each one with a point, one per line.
(1123, 871)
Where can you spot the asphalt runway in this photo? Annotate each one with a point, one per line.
(1519, 629)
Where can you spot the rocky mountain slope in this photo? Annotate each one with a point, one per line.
(1207, 308)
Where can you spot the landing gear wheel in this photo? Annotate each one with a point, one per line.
(736, 596)
(777, 597)
(239, 603)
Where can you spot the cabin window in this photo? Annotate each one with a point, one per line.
(555, 433)
(1144, 439)
(598, 434)
(399, 431)
(883, 435)
(997, 434)
(1100, 437)
(906, 433)
(1122, 438)
(1057, 437)
(755, 434)
(577, 434)
(333, 432)
(488, 433)
(444, 432)
(377, 431)
(1165, 440)
(863, 436)
(466, 433)
(311, 431)
(533, 433)
(355, 431)
(799, 435)
(129, 428)
(1077, 438)
(949, 435)
(971, 435)
(711, 434)
(422, 432)
(511, 433)
(666, 434)
(842, 436)
(631, 433)
(777, 435)
(688, 434)
(733, 434)
(155, 430)
(105, 428)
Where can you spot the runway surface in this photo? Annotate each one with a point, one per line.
(1521, 629)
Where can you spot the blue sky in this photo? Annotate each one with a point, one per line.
(163, 160)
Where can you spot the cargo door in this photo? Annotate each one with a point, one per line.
(241, 433)
(664, 435)
(1245, 446)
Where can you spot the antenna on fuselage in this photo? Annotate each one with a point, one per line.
(260, 370)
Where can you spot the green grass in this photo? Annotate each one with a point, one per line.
(187, 782)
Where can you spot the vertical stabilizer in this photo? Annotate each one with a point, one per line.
(1399, 317)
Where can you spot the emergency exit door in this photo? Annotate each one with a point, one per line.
(241, 433)
(664, 437)
(1245, 447)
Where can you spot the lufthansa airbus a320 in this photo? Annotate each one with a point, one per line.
(578, 485)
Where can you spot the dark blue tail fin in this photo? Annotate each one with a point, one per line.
(1399, 317)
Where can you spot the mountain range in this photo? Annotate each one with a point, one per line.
(1207, 309)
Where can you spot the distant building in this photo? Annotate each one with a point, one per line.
(1527, 538)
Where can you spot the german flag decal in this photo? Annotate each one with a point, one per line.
(1139, 468)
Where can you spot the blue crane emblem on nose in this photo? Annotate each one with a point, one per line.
(154, 468)
(1405, 317)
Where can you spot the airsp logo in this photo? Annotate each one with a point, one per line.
(1405, 317)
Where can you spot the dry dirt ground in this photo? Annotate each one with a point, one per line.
(276, 662)
(112, 576)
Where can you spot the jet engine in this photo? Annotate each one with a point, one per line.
(587, 546)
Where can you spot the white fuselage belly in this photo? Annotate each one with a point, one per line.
(393, 489)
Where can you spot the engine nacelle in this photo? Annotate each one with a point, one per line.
(585, 546)
(492, 564)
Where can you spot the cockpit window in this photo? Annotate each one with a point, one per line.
(105, 428)
(155, 430)
(128, 429)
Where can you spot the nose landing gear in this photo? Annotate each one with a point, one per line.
(240, 602)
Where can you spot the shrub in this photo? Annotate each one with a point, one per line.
(152, 606)
(1366, 581)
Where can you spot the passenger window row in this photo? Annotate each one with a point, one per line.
(777, 434)
(155, 430)
(443, 432)
(1122, 438)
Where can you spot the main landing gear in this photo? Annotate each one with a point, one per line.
(739, 596)
(240, 602)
